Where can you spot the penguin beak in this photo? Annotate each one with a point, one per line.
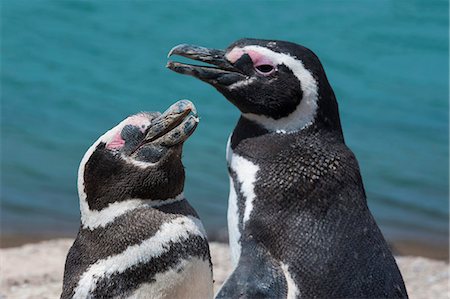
(174, 126)
(221, 74)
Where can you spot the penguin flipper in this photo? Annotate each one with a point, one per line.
(257, 275)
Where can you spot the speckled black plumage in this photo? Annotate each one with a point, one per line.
(309, 213)
(310, 209)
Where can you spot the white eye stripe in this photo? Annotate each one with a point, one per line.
(305, 112)
(307, 81)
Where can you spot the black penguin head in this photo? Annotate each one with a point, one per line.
(140, 158)
(280, 85)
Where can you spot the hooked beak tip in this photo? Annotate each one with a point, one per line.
(172, 51)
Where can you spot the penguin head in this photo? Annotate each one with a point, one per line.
(279, 85)
(140, 158)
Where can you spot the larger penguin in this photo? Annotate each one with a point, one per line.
(298, 219)
(139, 237)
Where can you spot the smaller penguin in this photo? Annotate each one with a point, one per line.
(139, 237)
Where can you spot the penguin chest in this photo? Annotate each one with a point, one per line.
(171, 262)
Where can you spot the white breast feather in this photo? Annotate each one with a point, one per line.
(246, 174)
(176, 230)
(292, 288)
(233, 225)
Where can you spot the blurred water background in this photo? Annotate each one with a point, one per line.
(70, 70)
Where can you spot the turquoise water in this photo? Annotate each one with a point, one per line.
(71, 70)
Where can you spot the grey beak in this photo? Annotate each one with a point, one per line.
(175, 125)
(223, 74)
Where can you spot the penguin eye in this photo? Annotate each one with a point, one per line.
(265, 69)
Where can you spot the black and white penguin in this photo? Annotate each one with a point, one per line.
(299, 224)
(139, 237)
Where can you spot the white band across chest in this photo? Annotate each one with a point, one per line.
(177, 230)
(92, 219)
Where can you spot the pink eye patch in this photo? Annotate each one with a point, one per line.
(257, 58)
(234, 55)
(117, 141)
(141, 121)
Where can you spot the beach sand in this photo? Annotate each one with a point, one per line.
(36, 270)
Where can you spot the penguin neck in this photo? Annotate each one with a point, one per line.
(318, 111)
(247, 128)
(91, 218)
(302, 117)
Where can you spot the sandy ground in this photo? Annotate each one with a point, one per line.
(35, 271)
